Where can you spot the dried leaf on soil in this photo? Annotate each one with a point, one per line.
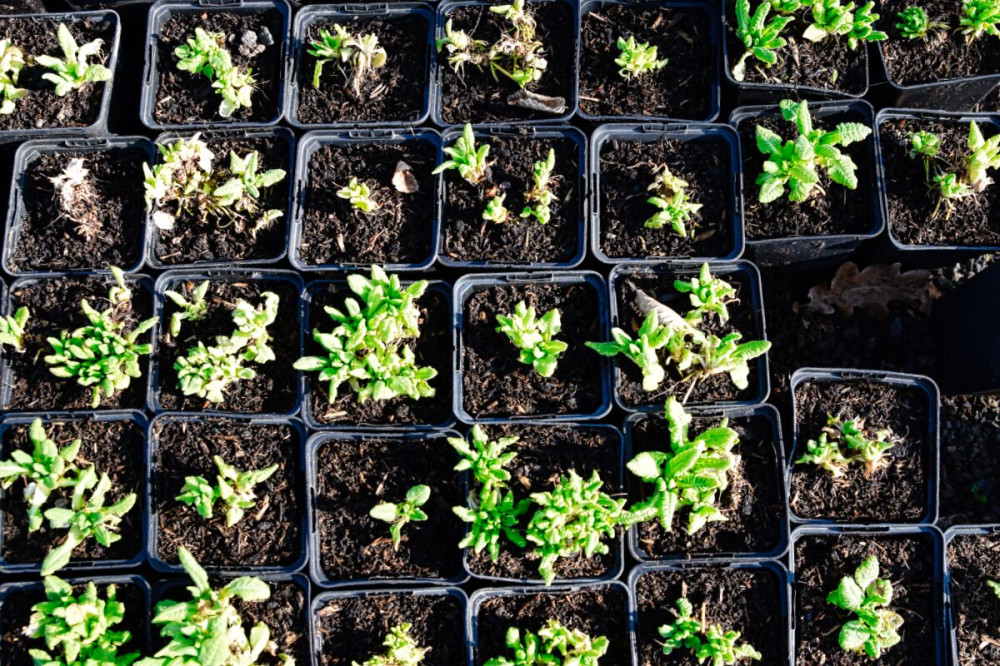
(872, 290)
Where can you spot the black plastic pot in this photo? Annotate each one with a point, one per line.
(934, 251)
(775, 568)
(917, 382)
(314, 141)
(959, 94)
(316, 571)
(539, 133)
(141, 504)
(743, 269)
(441, 62)
(464, 289)
(617, 548)
(927, 533)
(712, 69)
(153, 472)
(798, 249)
(646, 133)
(951, 624)
(356, 13)
(170, 280)
(277, 134)
(765, 412)
(967, 318)
(27, 153)
(311, 320)
(161, 12)
(98, 127)
(556, 593)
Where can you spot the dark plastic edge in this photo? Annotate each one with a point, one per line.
(305, 303)
(708, 8)
(464, 287)
(168, 279)
(619, 566)
(224, 134)
(950, 624)
(648, 133)
(680, 269)
(315, 140)
(161, 11)
(152, 473)
(142, 501)
(899, 379)
(952, 94)
(769, 414)
(509, 132)
(310, 14)
(27, 153)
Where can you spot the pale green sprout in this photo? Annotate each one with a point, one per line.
(74, 71)
(994, 587)
(637, 58)
(927, 146)
(193, 310)
(11, 64)
(360, 53)
(469, 161)
(359, 196)
(706, 642)
(670, 197)
(760, 37)
(553, 645)
(205, 54)
(495, 211)
(235, 489)
(541, 193)
(400, 649)
(12, 328)
(707, 293)
(534, 337)
(400, 514)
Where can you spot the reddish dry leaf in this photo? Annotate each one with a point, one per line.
(872, 290)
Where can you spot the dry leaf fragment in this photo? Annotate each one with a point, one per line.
(872, 290)
(665, 316)
(535, 102)
(403, 179)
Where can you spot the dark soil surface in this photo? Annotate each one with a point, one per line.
(285, 613)
(544, 455)
(743, 600)
(42, 107)
(714, 388)
(354, 628)
(753, 503)
(944, 54)
(184, 97)
(270, 533)
(896, 493)
(838, 211)
(399, 232)
(468, 237)
(17, 614)
(54, 307)
(475, 96)
(974, 559)
(114, 448)
(394, 92)
(628, 168)
(906, 561)
(200, 237)
(915, 217)
(597, 611)
(681, 89)
(355, 475)
(496, 383)
(970, 465)
(827, 65)
(103, 225)
(432, 348)
(273, 390)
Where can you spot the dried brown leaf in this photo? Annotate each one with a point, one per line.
(872, 290)
(403, 179)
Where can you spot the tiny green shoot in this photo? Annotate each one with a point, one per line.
(400, 514)
(554, 645)
(534, 337)
(636, 59)
(540, 197)
(11, 64)
(706, 642)
(359, 195)
(400, 649)
(466, 158)
(674, 206)
(193, 310)
(235, 489)
(12, 328)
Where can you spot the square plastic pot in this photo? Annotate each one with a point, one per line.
(141, 504)
(314, 141)
(27, 153)
(169, 280)
(152, 474)
(161, 12)
(464, 289)
(99, 126)
(442, 289)
(649, 133)
(769, 414)
(725, 270)
(539, 133)
(957, 94)
(951, 624)
(273, 134)
(799, 249)
(712, 13)
(312, 14)
(920, 383)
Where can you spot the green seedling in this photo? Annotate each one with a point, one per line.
(926, 146)
(707, 293)
(235, 490)
(707, 642)
(12, 328)
(193, 310)
(359, 195)
(356, 55)
(674, 206)
(984, 155)
(462, 48)
(762, 38)
(980, 17)
(914, 23)
(636, 59)
(844, 442)
(239, 196)
(11, 64)
(73, 71)
(787, 7)
(495, 211)
(830, 17)
(994, 587)
(876, 626)
(206, 54)
(400, 649)
(534, 337)
(398, 515)
(554, 645)
(540, 197)
(469, 161)
(650, 338)
(825, 453)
